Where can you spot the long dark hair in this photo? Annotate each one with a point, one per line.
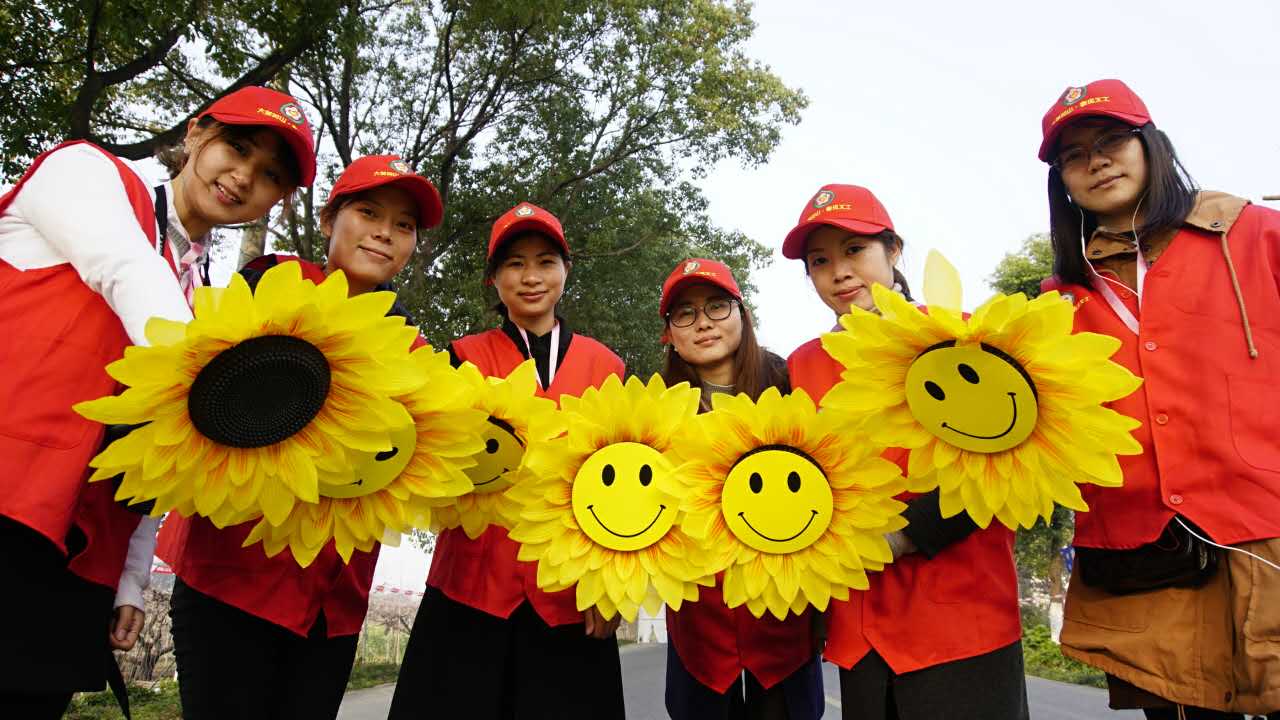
(754, 369)
(1170, 197)
(891, 241)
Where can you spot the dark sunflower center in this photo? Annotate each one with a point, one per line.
(259, 392)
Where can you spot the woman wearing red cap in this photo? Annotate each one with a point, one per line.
(938, 633)
(295, 628)
(1188, 281)
(89, 251)
(724, 663)
(487, 642)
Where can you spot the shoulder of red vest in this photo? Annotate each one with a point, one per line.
(600, 352)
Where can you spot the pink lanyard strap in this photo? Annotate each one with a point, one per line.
(1109, 294)
(552, 355)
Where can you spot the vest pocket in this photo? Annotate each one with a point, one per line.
(1255, 415)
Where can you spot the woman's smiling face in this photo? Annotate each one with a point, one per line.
(372, 236)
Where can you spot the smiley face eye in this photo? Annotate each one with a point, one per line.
(607, 474)
(386, 455)
(932, 388)
(646, 475)
(491, 446)
(968, 373)
(756, 482)
(793, 481)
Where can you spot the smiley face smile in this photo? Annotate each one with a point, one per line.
(812, 514)
(1013, 398)
(661, 509)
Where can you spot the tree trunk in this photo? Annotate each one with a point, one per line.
(1057, 594)
(253, 242)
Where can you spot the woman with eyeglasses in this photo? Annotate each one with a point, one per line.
(937, 635)
(1189, 282)
(724, 663)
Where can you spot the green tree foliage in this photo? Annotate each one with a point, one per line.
(1037, 548)
(1021, 272)
(606, 112)
(128, 75)
(603, 111)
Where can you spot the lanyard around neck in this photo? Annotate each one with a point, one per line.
(1104, 285)
(552, 354)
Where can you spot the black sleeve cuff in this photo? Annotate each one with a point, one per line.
(928, 530)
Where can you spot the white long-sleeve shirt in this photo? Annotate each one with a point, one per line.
(74, 209)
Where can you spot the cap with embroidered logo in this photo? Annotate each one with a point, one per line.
(1106, 98)
(851, 207)
(273, 109)
(697, 270)
(526, 217)
(373, 171)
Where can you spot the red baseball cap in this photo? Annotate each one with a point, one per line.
(697, 270)
(273, 109)
(851, 207)
(526, 217)
(373, 171)
(1108, 98)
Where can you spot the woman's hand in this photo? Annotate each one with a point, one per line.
(126, 626)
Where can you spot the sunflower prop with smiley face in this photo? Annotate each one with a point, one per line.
(516, 416)
(795, 511)
(245, 404)
(390, 492)
(601, 501)
(1003, 411)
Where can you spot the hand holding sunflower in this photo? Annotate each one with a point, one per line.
(794, 511)
(246, 405)
(1003, 411)
(601, 502)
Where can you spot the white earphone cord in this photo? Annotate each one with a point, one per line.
(1226, 547)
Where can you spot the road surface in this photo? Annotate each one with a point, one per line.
(644, 670)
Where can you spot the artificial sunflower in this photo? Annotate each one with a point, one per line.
(795, 511)
(1003, 411)
(390, 491)
(245, 404)
(601, 501)
(516, 416)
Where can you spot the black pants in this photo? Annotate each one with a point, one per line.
(979, 688)
(234, 665)
(465, 663)
(58, 625)
(797, 697)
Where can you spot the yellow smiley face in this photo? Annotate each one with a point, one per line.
(777, 500)
(975, 397)
(616, 500)
(374, 471)
(501, 454)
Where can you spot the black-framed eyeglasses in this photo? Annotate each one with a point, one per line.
(1108, 143)
(686, 315)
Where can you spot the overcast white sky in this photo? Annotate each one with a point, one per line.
(936, 107)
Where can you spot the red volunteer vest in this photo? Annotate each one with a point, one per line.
(275, 589)
(716, 644)
(58, 336)
(484, 573)
(920, 612)
(1210, 414)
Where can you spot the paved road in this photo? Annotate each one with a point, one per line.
(644, 670)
